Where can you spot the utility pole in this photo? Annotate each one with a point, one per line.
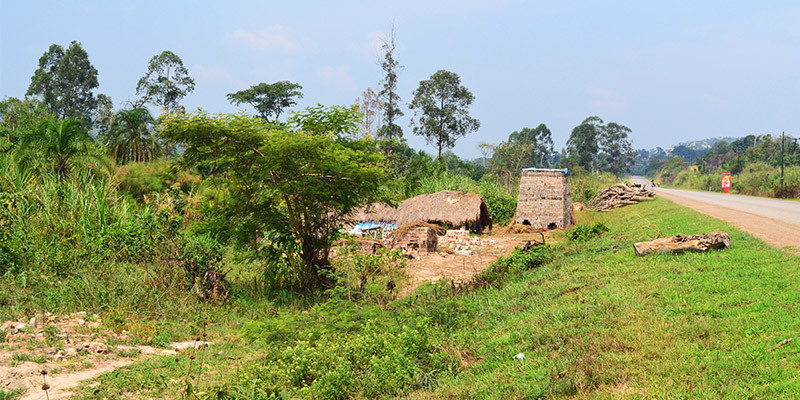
(783, 135)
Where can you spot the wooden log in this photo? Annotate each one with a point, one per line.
(683, 243)
(620, 195)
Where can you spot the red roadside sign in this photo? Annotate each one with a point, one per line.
(726, 181)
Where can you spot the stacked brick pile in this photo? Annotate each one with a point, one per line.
(462, 243)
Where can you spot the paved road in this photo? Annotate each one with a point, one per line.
(775, 221)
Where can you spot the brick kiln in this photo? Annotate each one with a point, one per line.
(544, 199)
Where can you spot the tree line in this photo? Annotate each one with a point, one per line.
(280, 187)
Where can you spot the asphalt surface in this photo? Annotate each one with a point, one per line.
(775, 221)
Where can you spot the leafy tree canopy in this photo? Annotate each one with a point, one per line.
(441, 110)
(269, 100)
(103, 115)
(616, 153)
(19, 118)
(334, 120)
(64, 82)
(287, 187)
(166, 82)
(582, 146)
(541, 143)
(598, 147)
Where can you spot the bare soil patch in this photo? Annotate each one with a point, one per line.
(71, 349)
(454, 263)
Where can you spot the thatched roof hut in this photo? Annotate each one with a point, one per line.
(443, 208)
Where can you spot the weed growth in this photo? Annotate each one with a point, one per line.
(584, 232)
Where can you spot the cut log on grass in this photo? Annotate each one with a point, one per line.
(683, 243)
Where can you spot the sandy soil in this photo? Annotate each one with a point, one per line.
(71, 348)
(460, 268)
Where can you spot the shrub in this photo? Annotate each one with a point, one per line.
(585, 232)
(201, 258)
(344, 358)
(361, 275)
(516, 262)
(142, 179)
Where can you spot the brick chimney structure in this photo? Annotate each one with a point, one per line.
(544, 199)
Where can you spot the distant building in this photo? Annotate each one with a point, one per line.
(544, 199)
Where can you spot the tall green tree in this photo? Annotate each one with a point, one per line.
(58, 147)
(582, 145)
(103, 115)
(541, 142)
(18, 118)
(64, 82)
(269, 100)
(388, 93)
(616, 153)
(294, 189)
(509, 158)
(166, 82)
(130, 138)
(441, 110)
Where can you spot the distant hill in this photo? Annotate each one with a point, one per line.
(702, 144)
(648, 161)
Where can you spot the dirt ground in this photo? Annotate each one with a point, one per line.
(451, 265)
(70, 348)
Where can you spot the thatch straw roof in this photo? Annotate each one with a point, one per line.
(376, 212)
(445, 208)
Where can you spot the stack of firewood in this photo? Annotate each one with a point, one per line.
(620, 195)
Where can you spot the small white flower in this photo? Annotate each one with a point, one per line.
(520, 356)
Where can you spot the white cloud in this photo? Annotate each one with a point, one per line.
(212, 75)
(336, 76)
(375, 41)
(368, 47)
(274, 38)
(608, 100)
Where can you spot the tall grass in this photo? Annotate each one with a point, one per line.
(584, 186)
(76, 244)
(62, 226)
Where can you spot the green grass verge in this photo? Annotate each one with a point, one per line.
(595, 322)
(603, 323)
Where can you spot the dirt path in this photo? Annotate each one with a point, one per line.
(61, 385)
(777, 222)
(71, 348)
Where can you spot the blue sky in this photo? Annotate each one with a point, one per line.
(671, 71)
